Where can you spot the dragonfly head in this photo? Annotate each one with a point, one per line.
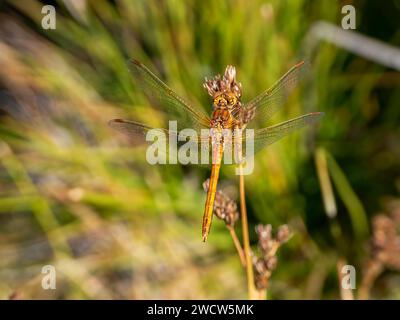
(226, 99)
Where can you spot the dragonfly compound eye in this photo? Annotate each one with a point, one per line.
(232, 100)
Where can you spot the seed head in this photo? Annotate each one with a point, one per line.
(268, 245)
(225, 84)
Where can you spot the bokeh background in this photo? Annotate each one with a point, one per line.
(76, 195)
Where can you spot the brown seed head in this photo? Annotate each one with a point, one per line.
(226, 84)
(283, 233)
(267, 261)
(265, 240)
(386, 241)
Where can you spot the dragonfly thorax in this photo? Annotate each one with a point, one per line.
(222, 118)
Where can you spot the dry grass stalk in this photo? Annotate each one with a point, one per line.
(261, 267)
(226, 209)
(246, 241)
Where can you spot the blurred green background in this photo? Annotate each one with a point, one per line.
(76, 195)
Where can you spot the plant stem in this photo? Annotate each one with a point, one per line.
(246, 241)
(237, 245)
(262, 294)
(373, 270)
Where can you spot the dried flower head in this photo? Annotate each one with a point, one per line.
(265, 240)
(283, 233)
(386, 241)
(268, 245)
(225, 84)
(224, 207)
(385, 247)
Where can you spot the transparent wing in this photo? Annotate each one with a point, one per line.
(266, 136)
(262, 107)
(141, 134)
(134, 130)
(176, 108)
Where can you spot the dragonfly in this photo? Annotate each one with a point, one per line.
(228, 114)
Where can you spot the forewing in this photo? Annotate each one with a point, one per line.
(262, 107)
(176, 108)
